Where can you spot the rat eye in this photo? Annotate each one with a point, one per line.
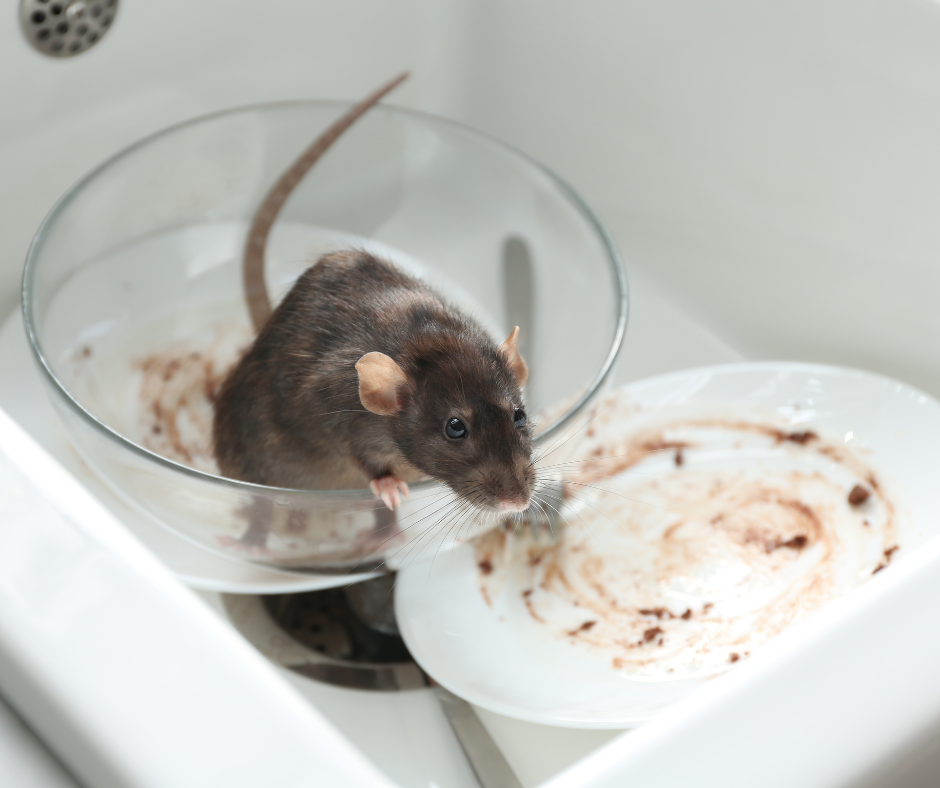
(518, 418)
(455, 428)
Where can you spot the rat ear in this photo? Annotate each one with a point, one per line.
(380, 378)
(510, 349)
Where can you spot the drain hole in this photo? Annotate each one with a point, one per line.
(325, 622)
(61, 28)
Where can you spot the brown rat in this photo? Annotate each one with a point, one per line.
(365, 375)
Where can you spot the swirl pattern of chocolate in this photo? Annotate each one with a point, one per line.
(692, 539)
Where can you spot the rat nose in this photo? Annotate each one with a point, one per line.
(513, 504)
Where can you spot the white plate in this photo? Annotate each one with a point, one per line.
(495, 654)
(23, 397)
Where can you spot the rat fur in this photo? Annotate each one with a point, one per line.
(360, 374)
(291, 414)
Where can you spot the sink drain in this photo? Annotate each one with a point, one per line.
(62, 28)
(326, 622)
(324, 636)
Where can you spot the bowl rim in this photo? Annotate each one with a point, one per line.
(60, 206)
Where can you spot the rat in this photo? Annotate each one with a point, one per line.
(364, 375)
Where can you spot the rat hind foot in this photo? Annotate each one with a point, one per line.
(387, 489)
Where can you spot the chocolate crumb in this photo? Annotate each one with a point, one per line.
(583, 628)
(687, 615)
(650, 634)
(734, 656)
(527, 593)
(796, 543)
(86, 351)
(866, 523)
(878, 568)
(659, 612)
(660, 642)
(707, 606)
(889, 552)
(679, 459)
(858, 495)
(486, 566)
(801, 438)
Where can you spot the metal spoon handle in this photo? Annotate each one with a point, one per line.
(491, 768)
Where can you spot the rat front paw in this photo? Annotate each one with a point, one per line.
(387, 489)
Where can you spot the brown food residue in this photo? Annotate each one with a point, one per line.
(527, 598)
(796, 543)
(583, 628)
(858, 495)
(177, 390)
(801, 438)
(887, 559)
(650, 634)
(684, 535)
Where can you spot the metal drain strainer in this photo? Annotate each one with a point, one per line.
(62, 28)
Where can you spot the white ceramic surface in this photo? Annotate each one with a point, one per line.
(137, 683)
(463, 643)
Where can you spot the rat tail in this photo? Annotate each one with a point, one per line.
(256, 291)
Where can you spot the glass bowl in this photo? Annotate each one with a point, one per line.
(133, 305)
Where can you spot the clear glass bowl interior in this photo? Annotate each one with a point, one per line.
(134, 309)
